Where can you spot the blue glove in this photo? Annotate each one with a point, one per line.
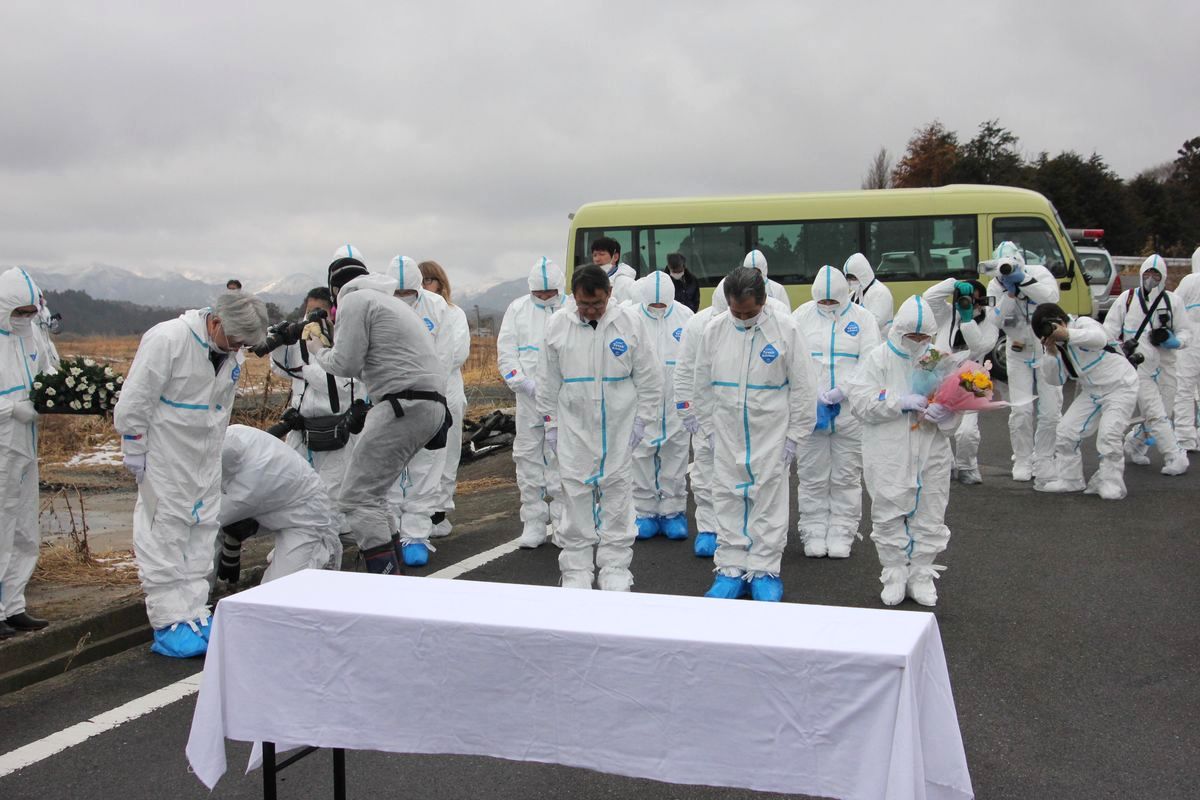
(1013, 279)
(826, 413)
(1172, 343)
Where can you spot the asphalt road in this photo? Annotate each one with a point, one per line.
(1069, 625)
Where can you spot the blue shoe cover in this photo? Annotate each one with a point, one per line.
(416, 554)
(647, 527)
(179, 641)
(675, 526)
(767, 588)
(705, 545)
(727, 587)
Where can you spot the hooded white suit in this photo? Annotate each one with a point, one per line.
(1037, 409)
(869, 291)
(754, 391)
(978, 338)
(174, 408)
(623, 280)
(265, 480)
(1188, 362)
(1108, 389)
(775, 290)
(1156, 375)
(20, 362)
(906, 461)
(829, 463)
(591, 385)
(660, 460)
(517, 350)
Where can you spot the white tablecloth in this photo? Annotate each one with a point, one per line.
(836, 702)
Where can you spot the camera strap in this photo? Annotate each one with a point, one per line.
(1147, 313)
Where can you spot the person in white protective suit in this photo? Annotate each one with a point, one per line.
(266, 484)
(868, 291)
(1081, 350)
(45, 326)
(381, 341)
(606, 253)
(599, 389)
(1152, 323)
(1187, 363)
(316, 393)
(701, 473)
(415, 496)
(458, 332)
(21, 359)
(839, 334)
(660, 461)
(172, 414)
(756, 397)
(518, 347)
(1036, 409)
(906, 457)
(775, 291)
(965, 325)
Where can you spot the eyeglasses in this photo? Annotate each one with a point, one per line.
(592, 306)
(427, 281)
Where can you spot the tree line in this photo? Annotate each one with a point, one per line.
(1158, 211)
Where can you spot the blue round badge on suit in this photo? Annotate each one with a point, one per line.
(769, 354)
(618, 347)
(677, 333)
(429, 323)
(852, 329)
(237, 373)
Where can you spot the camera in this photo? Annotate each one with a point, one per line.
(283, 333)
(290, 421)
(1045, 327)
(1129, 348)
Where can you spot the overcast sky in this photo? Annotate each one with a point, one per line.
(251, 139)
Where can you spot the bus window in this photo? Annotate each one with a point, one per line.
(1034, 237)
(922, 247)
(796, 250)
(624, 237)
(712, 251)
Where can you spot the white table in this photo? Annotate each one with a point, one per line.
(836, 702)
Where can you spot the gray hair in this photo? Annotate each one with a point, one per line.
(243, 316)
(746, 282)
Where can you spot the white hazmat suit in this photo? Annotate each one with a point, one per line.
(1156, 374)
(829, 463)
(20, 362)
(756, 398)
(518, 347)
(906, 459)
(623, 279)
(595, 388)
(869, 291)
(775, 290)
(173, 410)
(1036, 410)
(265, 480)
(1187, 363)
(458, 333)
(701, 473)
(977, 337)
(1108, 390)
(660, 461)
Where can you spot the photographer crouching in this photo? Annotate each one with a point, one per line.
(381, 341)
(317, 422)
(1079, 349)
(1151, 325)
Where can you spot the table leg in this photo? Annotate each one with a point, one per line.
(268, 756)
(339, 774)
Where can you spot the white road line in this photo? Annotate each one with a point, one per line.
(55, 743)
(69, 737)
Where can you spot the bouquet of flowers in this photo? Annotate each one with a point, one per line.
(967, 388)
(80, 386)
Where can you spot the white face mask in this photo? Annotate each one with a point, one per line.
(553, 302)
(676, 275)
(411, 299)
(21, 326)
(1150, 283)
(748, 324)
(657, 313)
(913, 348)
(829, 312)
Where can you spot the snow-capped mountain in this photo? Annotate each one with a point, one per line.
(166, 289)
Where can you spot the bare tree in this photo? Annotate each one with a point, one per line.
(879, 173)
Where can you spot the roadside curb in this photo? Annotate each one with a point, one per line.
(33, 657)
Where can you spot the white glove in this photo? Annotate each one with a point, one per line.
(24, 412)
(528, 387)
(789, 452)
(691, 424)
(938, 413)
(314, 344)
(832, 397)
(914, 402)
(552, 440)
(639, 431)
(136, 464)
